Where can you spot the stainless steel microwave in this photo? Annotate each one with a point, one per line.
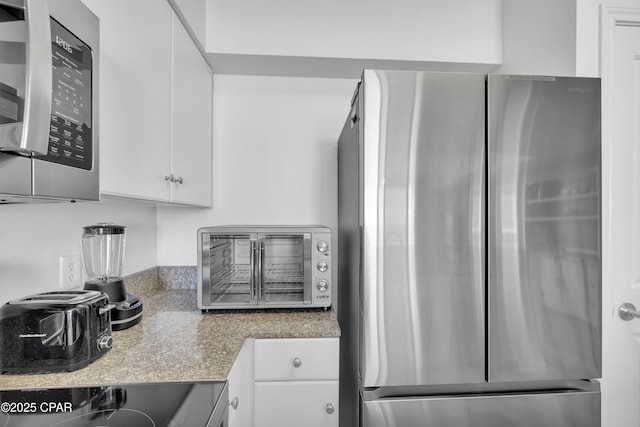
(48, 101)
(264, 267)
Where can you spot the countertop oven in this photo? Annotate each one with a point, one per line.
(264, 267)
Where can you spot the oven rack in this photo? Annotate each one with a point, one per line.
(278, 279)
(273, 274)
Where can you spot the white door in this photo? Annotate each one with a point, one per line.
(621, 216)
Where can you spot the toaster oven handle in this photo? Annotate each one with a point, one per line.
(252, 270)
(37, 103)
(260, 283)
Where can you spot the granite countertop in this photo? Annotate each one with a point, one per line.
(177, 342)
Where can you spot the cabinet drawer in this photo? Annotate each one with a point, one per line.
(296, 403)
(297, 359)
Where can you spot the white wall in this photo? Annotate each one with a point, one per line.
(539, 37)
(420, 30)
(275, 158)
(275, 138)
(335, 38)
(33, 237)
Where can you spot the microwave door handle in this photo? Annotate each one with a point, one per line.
(37, 104)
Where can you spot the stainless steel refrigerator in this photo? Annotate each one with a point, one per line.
(470, 251)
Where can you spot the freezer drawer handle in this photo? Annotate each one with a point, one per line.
(627, 311)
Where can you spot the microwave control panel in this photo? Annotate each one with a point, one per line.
(70, 130)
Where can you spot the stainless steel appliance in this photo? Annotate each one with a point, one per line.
(200, 404)
(54, 331)
(469, 251)
(103, 253)
(48, 101)
(264, 267)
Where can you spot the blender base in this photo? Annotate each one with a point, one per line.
(113, 287)
(127, 310)
(126, 313)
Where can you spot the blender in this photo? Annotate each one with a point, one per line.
(103, 253)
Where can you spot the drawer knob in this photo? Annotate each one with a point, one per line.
(297, 362)
(330, 409)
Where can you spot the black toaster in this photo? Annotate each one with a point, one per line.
(54, 331)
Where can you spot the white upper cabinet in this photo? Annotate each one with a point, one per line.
(135, 97)
(191, 91)
(155, 105)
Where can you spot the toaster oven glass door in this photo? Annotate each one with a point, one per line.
(285, 262)
(257, 268)
(231, 260)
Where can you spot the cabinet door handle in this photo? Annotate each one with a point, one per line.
(173, 179)
(330, 409)
(297, 362)
(234, 403)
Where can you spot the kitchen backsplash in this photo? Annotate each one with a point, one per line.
(162, 277)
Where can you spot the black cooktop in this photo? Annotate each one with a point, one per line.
(140, 405)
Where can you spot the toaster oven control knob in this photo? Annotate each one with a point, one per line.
(323, 266)
(105, 342)
(322, 285)
(323, 246)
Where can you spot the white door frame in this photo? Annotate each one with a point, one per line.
(610, 18)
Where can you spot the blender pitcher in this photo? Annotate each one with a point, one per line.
(103, 254)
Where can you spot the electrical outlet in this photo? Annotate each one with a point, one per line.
(70, 272)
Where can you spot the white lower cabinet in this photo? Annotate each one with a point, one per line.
(296, 403)
(241, 388)
(285, 382)
(296, 382)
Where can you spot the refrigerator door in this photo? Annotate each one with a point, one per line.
(551, 409)
(544, 228)
(422, 296)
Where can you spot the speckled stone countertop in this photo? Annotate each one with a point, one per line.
(177, 342)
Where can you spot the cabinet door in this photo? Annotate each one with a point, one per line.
(241, 388)
(296, 403)
(135, 103)
(191, 121)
